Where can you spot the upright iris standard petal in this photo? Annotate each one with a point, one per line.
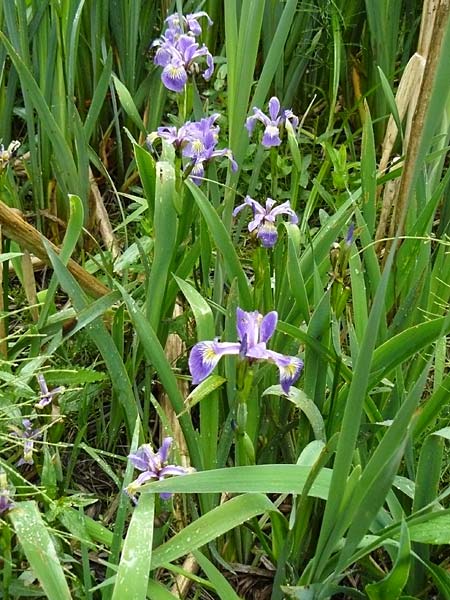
(163, 452)
(254, 330)
(194, 25)
(274, 108)
(142, 458)
(264, 218)
(268, 326)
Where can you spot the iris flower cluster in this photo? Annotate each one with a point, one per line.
(196, 142)
(263, 221)
(153, 466)
(28, 435)
(273, 123)
(254, 331)
(178, 52)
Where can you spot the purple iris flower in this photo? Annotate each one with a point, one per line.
(178, 54)
(46, 394)
(178, 138)
(28, 434)
(349, 236)
(197, 142)
(264, 218)
(254, 331)
(5, 496)
(272, 123)
(189, 21)
(153, 466)
(202, 147)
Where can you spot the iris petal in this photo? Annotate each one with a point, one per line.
(204, 357)
(174, 77)
(271, 136)
(274, 107)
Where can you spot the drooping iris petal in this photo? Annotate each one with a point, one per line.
(197, 172)
(285, 209)
(289, 367)
(271, 136)
(174, 76)
(204, 357)
(210, 67)
(144, 477)
(268, 235)
(171, 470)
(289, 117)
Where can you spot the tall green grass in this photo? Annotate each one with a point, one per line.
(341, 486)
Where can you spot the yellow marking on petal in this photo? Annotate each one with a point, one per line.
(176, 72)
(209, 355)
(197, 146)
(290, 370)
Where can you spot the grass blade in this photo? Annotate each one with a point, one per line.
(134, 567)
(40, 550)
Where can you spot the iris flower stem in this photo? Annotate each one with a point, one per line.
(262, 268)
(260, 157)
(245, 452)
(274, 171)
(182, 105)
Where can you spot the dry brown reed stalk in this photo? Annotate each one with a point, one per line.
(28, 237)
(182, 585)
(175, 348)
(102, 218)
(412, 99)
(3, 342)
(29, 284)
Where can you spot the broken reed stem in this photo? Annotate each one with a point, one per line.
(28, 237)
(418, 119)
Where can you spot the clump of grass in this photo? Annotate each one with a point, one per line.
(307, 255)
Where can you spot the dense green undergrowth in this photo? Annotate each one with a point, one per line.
(224, 303)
